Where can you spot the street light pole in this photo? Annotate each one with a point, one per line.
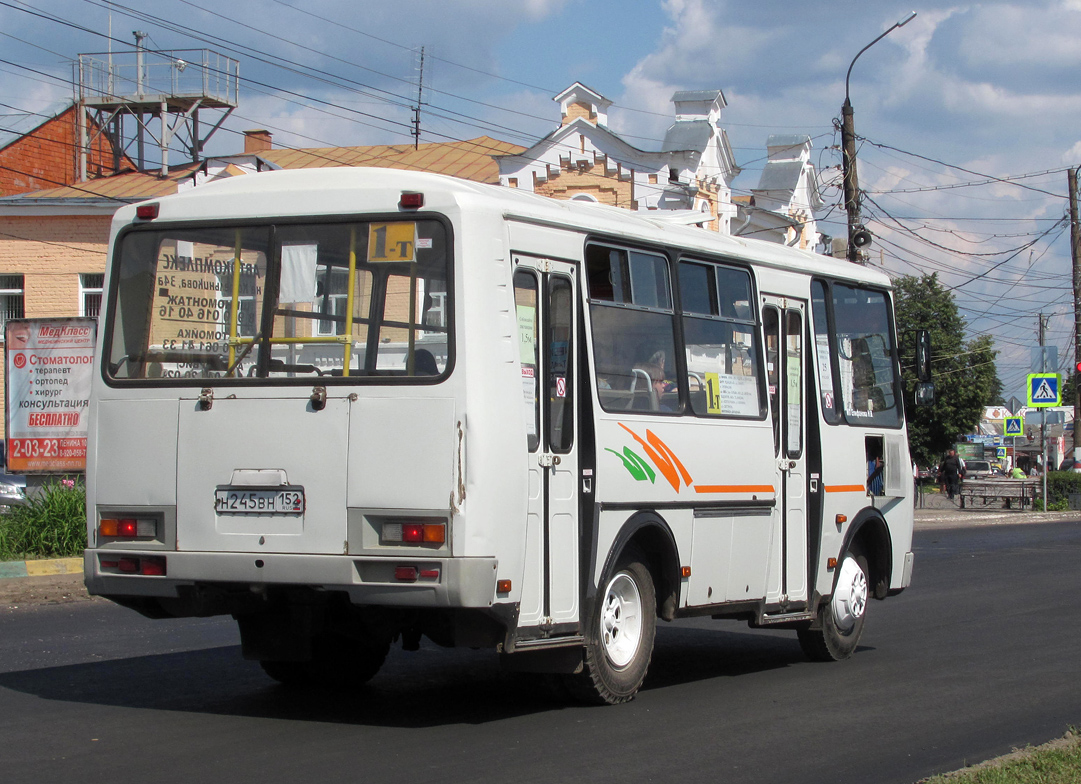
(857, 235)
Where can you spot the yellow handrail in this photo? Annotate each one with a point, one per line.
(235, 306)
(349, 300)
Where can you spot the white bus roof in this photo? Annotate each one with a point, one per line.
(349, 190)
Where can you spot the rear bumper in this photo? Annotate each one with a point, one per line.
(440, 582)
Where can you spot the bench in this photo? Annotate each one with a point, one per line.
(1023, 491)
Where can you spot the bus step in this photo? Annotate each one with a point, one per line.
(803, 615)
(551, 642)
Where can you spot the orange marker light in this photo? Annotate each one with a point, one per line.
(831, 563)
(108, 527)
(841, 519)
(685, 571)
(502, 586)
(435, 533)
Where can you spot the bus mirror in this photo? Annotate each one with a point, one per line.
(925, 393)
(923, 355)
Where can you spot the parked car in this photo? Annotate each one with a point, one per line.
(978, 469)
(12, 486)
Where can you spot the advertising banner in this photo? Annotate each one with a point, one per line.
(48, 367)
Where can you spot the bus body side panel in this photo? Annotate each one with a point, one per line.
(706, 479)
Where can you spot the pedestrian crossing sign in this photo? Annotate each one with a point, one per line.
(1014, 426)
(1000, 452)
(1044, 390)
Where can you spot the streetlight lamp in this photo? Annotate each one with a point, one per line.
(858, 236)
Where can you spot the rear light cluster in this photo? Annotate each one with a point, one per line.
(149, 565)
(414, 533)
(128, 527)
(410, 574)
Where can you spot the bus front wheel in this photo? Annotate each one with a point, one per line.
(619, 643)
(841, 619)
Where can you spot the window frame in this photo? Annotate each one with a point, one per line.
(891, 322)
(19, 292)
(271, 224)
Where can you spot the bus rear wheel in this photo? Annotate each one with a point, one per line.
(841, 619)
(619, 641)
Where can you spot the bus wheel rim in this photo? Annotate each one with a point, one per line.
(850, 599)
(621, 620)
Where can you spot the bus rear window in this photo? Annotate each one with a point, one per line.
(297, 301)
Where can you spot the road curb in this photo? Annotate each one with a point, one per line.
(42, 568)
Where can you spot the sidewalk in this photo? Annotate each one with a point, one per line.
(939, 511)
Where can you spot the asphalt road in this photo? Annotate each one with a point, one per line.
(978, 657)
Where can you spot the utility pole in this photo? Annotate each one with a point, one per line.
(858, 236)
(1075, 254)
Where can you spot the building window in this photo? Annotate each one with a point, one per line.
(90, 287)
(11, 300)
(512, 182)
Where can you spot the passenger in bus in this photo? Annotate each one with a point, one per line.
(424, 363)
(658, 387)
(874, 475)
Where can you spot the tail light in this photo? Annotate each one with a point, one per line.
(414, 532)
(128, 527)
(149, 565)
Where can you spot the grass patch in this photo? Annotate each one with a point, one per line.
(52, 524)
(1057, 762)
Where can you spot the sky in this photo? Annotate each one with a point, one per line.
(969, 115)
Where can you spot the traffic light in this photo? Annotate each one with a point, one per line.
(1077, 376)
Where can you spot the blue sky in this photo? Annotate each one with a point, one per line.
(972, 112)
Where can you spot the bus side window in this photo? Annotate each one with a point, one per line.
(632, 322)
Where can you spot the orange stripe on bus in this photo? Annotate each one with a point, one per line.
(733, 489)
(845, 489)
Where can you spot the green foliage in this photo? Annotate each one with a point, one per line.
(963, 371)
(1059, 486)
(52, 524)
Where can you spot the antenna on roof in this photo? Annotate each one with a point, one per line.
(420, 100)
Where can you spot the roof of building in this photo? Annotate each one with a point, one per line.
(696, 95)
(787, 140)
(470, 159)
(687, 135)
(780, 176)
(15, 125)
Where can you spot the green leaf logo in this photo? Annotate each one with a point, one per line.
(637, 467)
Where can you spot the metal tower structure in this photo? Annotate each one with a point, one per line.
(152, 98)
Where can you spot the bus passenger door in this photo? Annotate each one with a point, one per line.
(783, 324)
(545, 301)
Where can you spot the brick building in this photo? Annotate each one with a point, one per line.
(40, 150)
(53, 241)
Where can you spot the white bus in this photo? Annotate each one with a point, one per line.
(356, 406)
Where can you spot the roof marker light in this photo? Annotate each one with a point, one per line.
(147, 211)
(411, 200)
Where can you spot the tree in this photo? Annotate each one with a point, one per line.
(963, 371)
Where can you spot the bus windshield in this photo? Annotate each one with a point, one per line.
(291, 301)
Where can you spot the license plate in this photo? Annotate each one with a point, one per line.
(241, 501)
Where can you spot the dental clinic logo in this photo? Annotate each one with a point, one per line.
(19, 361)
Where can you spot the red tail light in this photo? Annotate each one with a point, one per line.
(406, 573)
(147, 211)
(153, 566)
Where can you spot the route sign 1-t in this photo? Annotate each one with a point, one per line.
(1044, 390)
(1014, 426)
